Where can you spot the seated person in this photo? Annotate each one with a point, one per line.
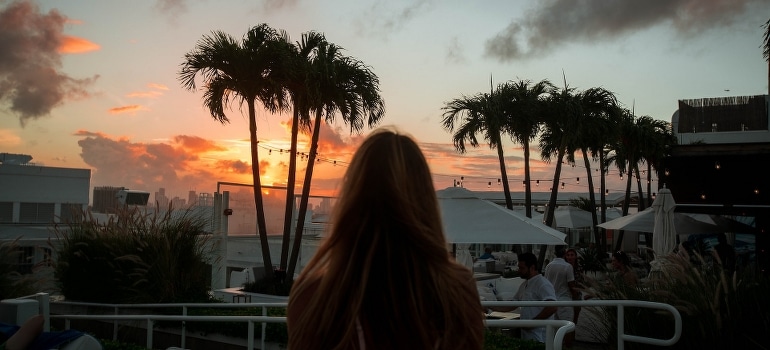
(30, 335)
(487, 254)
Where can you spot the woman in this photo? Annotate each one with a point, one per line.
(382, 278)
(571, 256)
(622, 264)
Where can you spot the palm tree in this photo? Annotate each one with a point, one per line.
(558, 138)
(522, 103)
(480, 114)
(242, 71)
(299, 91)
(593, 132)
(339, 84)
(766, 48)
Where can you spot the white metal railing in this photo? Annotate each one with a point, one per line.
(555, 329)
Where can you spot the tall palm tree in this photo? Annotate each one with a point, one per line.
(558, 139)
(340, 84)
(240, 71)
(522, 103)
(593, 132)
(300, 93)
(479, 114)
(766, 49)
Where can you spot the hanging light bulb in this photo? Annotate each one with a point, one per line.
(654, 195)
(498, 182)
(562, 185)
(717, 166)
(666, 172)
(537, 183)
(578, 180)
(606, 191)
(269, 152)
(524, 184)
(489, 184)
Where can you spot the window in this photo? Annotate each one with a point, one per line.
(6, 211)
(36, 212)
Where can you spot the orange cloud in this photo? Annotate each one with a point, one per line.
(89, 133)
(197, 144)
(157, 86)
(71, 44)
(144, 94)
(125, 109)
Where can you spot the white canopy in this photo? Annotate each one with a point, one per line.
(469, 219)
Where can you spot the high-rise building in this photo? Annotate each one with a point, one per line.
(192, 198)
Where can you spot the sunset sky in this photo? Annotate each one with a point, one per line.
(94, 84)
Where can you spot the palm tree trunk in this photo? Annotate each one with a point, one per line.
(287, 216)
(626, 205)
(551, 203)
(504, 175)
(649, 184)
(527, 181)
(261, 225)
(603, 196)
(591, 196)
(305, 197)
(641, 203)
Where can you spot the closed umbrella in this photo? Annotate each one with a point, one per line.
(664, 230)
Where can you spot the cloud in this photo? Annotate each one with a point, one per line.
(176, 165)
(171, 7)
(235, 166)
(125, 109)
(197, 144)
(274, 5)
(382, 19)
(156, 90)
(8, 138)
(71, 44)
(30, 78)
(157, 86)
(555, 23)
(454, 52)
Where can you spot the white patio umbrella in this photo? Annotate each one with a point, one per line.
(469, 219)
(572, 217)
(664, 230)
(644, 221)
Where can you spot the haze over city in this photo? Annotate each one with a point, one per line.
(95, 84)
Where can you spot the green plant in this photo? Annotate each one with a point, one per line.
(592, 259)
(135, 257)
(718, 310)
(12, 283)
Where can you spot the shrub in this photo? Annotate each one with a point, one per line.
(135, 257)
(12, 283)
(718, 310)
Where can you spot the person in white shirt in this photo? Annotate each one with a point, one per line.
(562, 275)
(537, 288)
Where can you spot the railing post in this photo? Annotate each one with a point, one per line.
(149, 333)
(264, 327)
(115, 311)
(621, 327)
(184, 326)
(250, 341)
(43, 302)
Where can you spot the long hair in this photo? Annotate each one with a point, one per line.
(384, 264)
